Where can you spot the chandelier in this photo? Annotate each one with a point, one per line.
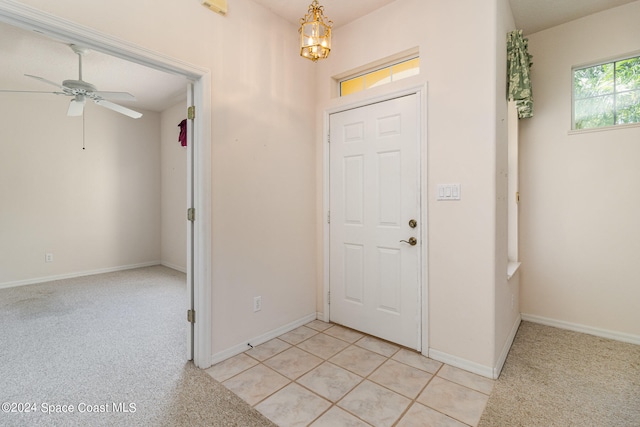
(315, 33)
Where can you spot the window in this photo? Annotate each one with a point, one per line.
(390, 73)
(607, 94)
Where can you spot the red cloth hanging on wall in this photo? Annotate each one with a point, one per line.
(183, 133)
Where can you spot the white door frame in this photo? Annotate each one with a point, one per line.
(421, 92)
(31, 19)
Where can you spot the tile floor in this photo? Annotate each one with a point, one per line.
(322, 374)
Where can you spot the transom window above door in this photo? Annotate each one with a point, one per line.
(389, 73)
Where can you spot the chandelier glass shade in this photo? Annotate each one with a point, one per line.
(315, 33)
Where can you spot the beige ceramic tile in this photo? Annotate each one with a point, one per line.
(318, 325)
(454, 400)
(401, 378)
(330, 381)
(293, 362)
(298, 335)
(381, 347)
(375, 404)
(467, 379)
(226, 369)
(421, 416)
(415, 359)
(358, 360)
(323, 345)
(344, 334)
(256, 383)
(268, 349)
(335, 417)
(293, 406)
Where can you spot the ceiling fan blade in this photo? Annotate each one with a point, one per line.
(46, 81)
(75, 108)
(116, 96)
(30, 91)
(118, 108)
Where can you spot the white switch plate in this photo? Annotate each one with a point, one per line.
(448, 192)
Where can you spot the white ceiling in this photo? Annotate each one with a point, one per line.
(339, 11)
(27, 52)
(532, 16)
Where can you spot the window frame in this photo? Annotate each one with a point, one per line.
(615, 93)
(388, 65)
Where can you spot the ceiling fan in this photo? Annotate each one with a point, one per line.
(80, 90)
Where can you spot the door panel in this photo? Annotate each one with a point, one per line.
(374, 192)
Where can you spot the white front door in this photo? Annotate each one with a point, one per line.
(374, 200)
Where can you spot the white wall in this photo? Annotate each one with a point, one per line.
(263, 178)
(93, 209)
(173, 196)
(457, 43)
(267, 170)
(580, 204)
(507, 309)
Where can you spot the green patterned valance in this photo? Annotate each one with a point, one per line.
(519, 74)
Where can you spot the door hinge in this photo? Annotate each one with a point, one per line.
(191, 316)
(191, 112)
(517, 197)
(191, 214)
(328, 217)
(329, 297)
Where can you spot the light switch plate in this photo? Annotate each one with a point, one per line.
(448, 192)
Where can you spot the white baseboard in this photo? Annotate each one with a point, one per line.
(458, 362)
(505, 349)
(76, 274)
(174, 267)
(240, 348)
(604, 333)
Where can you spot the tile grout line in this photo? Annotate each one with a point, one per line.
(413, 401)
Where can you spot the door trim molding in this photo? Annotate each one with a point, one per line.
(342, 105)
(32, 19)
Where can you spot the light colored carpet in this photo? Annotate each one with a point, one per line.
(555, 377)
(116, 338)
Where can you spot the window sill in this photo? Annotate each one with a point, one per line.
(512, 268)
(603, 129)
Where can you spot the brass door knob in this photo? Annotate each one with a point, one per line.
(412, 241)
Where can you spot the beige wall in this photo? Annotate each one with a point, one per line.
(93, 209)
(267, 163)
(173, 196)
(262, 166)
(465, 257)
(580, 204)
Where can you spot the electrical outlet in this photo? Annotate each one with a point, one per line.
(48, 257)
(257, 304)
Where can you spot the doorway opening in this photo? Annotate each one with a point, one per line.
(198, 275)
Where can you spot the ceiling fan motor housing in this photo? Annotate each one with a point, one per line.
(78, 86)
